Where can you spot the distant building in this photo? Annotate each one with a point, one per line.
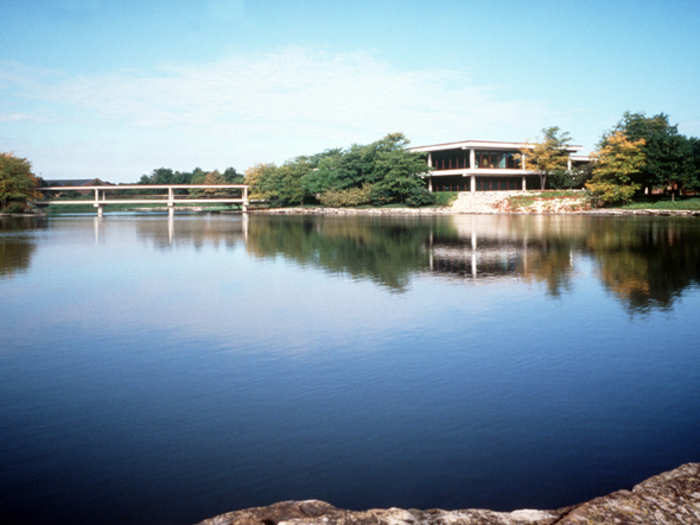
(77, 182)
(477, 165)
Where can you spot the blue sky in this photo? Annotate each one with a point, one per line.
(116, 89)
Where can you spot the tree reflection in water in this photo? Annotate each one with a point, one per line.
(16, 246)
(645, 262)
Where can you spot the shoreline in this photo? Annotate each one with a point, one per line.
(670, 497)
(449, 211)
(320, 210)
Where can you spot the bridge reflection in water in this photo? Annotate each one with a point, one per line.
(197, 229)
(644, 262)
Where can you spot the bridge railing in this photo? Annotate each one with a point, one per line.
(171, 199)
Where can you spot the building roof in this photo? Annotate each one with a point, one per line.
(484, 144)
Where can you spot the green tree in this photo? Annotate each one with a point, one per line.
(383, 169)
(617, 165)
(397, 178)
(231, 176)
(18, 185)
(695, 145)
(668, 154)
(549, 157)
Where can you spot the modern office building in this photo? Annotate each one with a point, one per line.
(475, 165)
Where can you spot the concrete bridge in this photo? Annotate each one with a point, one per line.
(100, 195)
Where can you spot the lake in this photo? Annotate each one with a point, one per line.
(164, 371)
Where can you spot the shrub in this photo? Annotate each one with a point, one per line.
(345, 198)
(605, 193)
(15, 207)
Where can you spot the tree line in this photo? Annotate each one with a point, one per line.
(382, 172)
(639, 156)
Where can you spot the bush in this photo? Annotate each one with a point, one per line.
(407, 189)
(15, 207)
(605, 193)
(420, 197)
(348, 197)
(445, 198)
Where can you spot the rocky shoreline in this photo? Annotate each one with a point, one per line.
(672, 497)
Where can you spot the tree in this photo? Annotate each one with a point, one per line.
(380, 172)
(669, 157)
(549, 157)
(397, 174)
(18, 185)
(213, 177)
(617, 166)
(231, 176)
(695, 145)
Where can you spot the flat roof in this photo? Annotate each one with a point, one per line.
(487, 144)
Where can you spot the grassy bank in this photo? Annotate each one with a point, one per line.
(679, 204)
(444, 198)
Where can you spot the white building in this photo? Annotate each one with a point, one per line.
(475, 165)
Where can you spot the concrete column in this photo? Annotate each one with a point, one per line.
(523, 162)
(245, 200)
(99, 210)
(472, 158)
(430, 184)
(171, 198)
(473, 183)
(524, 183)
(430, 160)
(568, 164)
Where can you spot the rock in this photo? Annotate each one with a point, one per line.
(669, 498)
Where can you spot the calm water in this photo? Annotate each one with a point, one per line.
(162, 372)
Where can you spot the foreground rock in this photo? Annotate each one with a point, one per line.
(671, 497)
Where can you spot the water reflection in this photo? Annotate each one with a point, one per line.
(644, 262)
(16, 245)
(169, 231)
(387, 252)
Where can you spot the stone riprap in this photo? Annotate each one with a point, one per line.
(672, 497)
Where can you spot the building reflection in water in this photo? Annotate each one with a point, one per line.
(491, 247)
(644, 262)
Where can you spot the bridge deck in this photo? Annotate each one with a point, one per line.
(100, 199)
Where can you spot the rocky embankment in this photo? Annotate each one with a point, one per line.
(672, 497)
